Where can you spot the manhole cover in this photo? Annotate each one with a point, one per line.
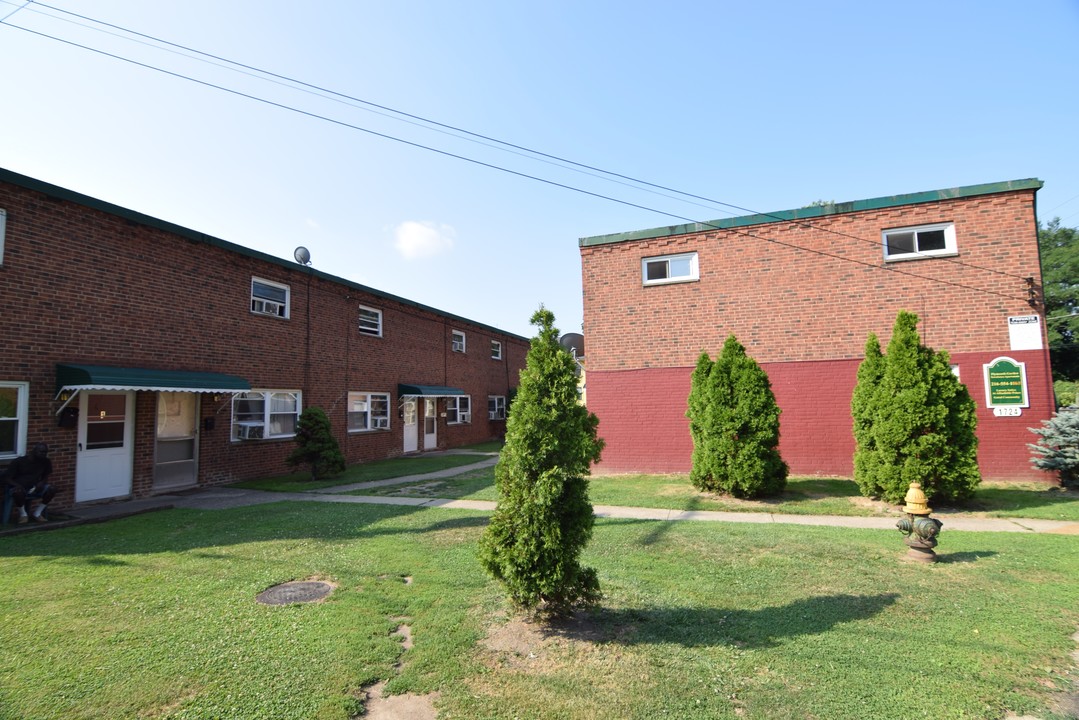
(294, 592)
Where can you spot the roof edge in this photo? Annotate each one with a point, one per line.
(58, 192)
(817, 211)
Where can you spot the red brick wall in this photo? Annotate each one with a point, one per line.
(805, 317)
(81, 285)
(642, 417)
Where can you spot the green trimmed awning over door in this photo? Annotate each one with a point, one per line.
(98, 377)
(428, 391)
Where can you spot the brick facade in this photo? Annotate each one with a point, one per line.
(802, 290)
(90, 283)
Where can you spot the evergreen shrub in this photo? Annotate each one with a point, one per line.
(316, 446)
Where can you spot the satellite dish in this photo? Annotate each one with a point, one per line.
(302, 255)
(573, 343)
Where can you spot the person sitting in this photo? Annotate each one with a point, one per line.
(27, 477)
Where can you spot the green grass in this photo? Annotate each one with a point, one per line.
(803, 496)
(153, 616)
(364, 472)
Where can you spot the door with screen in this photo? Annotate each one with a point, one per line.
(176, 449)
(106, 434)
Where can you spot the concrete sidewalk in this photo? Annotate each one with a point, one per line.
(221, 498)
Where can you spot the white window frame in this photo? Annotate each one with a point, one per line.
(688, 269)
(458, 409)
(496, 407)
(20, 418)
(457, 341)
(496, 350)
(264, 425)
(918, 254)
(269, 306)
(376, 330)
(362, 405)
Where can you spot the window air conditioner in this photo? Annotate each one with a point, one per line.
(266, 307)
(250, 432)
(381, 423)
(492, 415)
(465, 417)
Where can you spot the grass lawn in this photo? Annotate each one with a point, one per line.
(364, 472)
(153, 616)
(803, 496)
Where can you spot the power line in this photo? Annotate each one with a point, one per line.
(538, 155)
(704, 225)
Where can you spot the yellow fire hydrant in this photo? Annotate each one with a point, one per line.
(921, 530)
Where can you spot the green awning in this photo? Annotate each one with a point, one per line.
(98, 377)
(428, 391)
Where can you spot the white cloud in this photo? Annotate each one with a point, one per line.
(422, 239)
(313, 224)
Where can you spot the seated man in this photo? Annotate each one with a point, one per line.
(27, 477)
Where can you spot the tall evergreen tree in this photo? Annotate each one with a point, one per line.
(863, 407)
(316, 447)
(543, 519)
(739, 420)
(699, 414)
(924, 421)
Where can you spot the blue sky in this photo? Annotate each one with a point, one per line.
(767, 106)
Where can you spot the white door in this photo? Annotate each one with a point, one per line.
(412, 432)
(176, 451)
(106, 435)
(430, 423)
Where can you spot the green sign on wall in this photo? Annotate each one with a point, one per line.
(1005, 383)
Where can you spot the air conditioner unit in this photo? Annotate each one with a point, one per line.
(492, 415)
(465, 417)
(267, 307)
(249, 432)
(381, 423)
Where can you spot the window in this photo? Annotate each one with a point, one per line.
(13, 414)
(269, 298)
(458, 341)
(368, 411)
(913, 243)
(496, 407)
(265, 414)
(370, 321)
(670, 269)
(496, 350)
(459, 409)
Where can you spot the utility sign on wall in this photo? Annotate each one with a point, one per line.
(1025, 332)
(1006, 386)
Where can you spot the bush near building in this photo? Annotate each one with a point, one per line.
(913, 421)
(316, 447)
(1057, 449)
(734, 421)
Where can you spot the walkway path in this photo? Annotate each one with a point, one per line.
(218, 498)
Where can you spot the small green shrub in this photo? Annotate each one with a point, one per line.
(1065, 392)
(316, 447)
(734, 419)
(1057, 449)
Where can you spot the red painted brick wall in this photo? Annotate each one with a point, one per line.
(642, 417)
(805, 317)
(87, 286)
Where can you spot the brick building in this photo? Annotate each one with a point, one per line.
(152, 358)
(802, 289)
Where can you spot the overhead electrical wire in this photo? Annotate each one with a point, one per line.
(535, 154)
(283, 106)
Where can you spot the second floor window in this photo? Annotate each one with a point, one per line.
(269, 298)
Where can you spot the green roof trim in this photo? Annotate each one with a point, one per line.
(100, 377)
(428, 391)
(817, 211)
(55, 191)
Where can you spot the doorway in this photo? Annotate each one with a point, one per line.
(412, 433)
(430, 423)
(176, 446)
(103, 463)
